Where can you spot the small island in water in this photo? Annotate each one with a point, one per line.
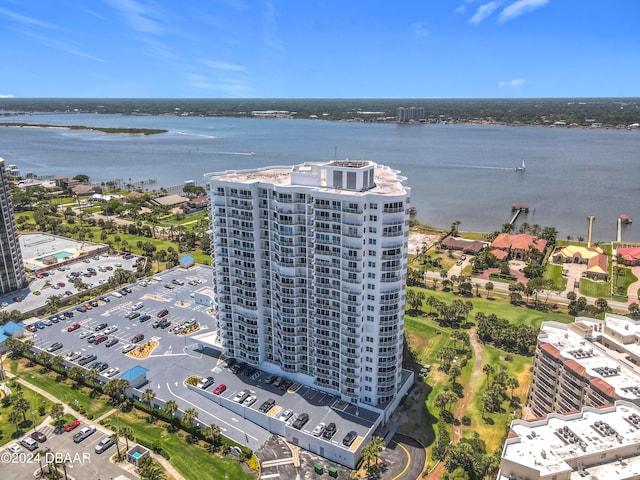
(127, 130)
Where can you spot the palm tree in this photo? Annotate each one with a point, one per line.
(52, 304)
(57, 411)
(488, 286)
(377, 445)
(512, 383)
(170, 407)
(76, 373)
(212, 435)
(148, 395)
(115, 438)
(488, 370)
(149, 470)
(189, 417)
(91, 376)
(127, 433)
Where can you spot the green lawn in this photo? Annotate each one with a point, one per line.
(63, 391)
(192, 461)
(590, 288)
(553, 273)
(8, 430)
(625, 278)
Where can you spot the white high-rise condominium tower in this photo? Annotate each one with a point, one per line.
(12, 274)
(309, 266)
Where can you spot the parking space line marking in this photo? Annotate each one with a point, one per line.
(209, 413)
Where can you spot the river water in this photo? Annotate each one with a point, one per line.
(456, 172)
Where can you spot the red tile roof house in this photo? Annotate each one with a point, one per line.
(519, 246)
(629, 255)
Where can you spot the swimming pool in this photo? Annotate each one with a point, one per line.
(136, 455)
(59, 255)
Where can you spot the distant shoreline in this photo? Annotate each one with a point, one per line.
(125, 130)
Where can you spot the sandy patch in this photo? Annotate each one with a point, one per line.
(417, 240)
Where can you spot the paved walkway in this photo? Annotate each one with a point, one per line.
(125, 465)
(632, 291)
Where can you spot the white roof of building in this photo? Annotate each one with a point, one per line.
(387, 180)
(598, 361)
(552, 445)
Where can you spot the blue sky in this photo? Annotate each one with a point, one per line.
(320, 49)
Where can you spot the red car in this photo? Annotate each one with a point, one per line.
(219, 389)
(61, 284)
(32, 328)
(72, 425)
(73, 327)
(99, 339)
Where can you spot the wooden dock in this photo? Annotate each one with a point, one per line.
(517, 209)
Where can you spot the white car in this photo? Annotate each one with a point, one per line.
(286, 415)
(4, 304)
(85, 334)
(15, 448)
(111, 372)
(251, 399)
(110, 330)
(319, 429)
(128, 348)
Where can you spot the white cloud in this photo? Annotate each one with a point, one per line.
(7, 95)
(484, 11)
(270, 29)
(60, 45)
(140, 17)
(518, 82)
(28, 21)
(419, 30)
(520, 7)
(224, 66)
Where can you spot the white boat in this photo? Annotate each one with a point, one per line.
(520, 168)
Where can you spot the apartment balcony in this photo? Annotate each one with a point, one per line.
(390, 278)
(345, 354)
(397, 257)
(392, 268)
(352, 281)
(393, 210)
(388, 382)
(355, 222)
(357, 269)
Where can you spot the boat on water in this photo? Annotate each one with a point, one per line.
(521, 167)
(625, 219)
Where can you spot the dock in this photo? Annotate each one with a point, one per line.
(517, 209)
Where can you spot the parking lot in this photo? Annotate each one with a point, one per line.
(58, 281)
(133, 312)
(81, 459)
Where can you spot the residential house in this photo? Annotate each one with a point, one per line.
(520, 246)
(629, 256)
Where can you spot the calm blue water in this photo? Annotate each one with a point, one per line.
(456, 172)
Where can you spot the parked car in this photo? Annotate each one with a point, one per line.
(110, 330)
(111, 372)
(241, 396)
(86, 359)
(267, 405)
(138, 338)
(205, 382)
(70, 426)
(128, 348)
(54, 346)
(39, 437)
(15, 448)
(74, 356)
(85, 334)
(84, 433)
(39, 325)
(111, 342)
(301, 421)
(349, 438)
(329, 432)
(99, 339)
(144, 318)
(29, 443)
(285, 415)
(101, 326)
(162, 313)
(250, 400)
(319, 429)
(103, 444)
(220, 389)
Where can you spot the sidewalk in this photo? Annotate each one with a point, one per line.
(106, 431)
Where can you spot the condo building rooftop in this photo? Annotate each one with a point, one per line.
(352, 176)
(594, 444)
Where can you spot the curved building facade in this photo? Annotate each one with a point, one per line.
(12, 274)
(309, 266)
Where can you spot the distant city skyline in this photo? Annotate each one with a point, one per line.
(329, 49)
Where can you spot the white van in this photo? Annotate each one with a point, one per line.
(137, 306)
(29, 443)
(116, 294)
